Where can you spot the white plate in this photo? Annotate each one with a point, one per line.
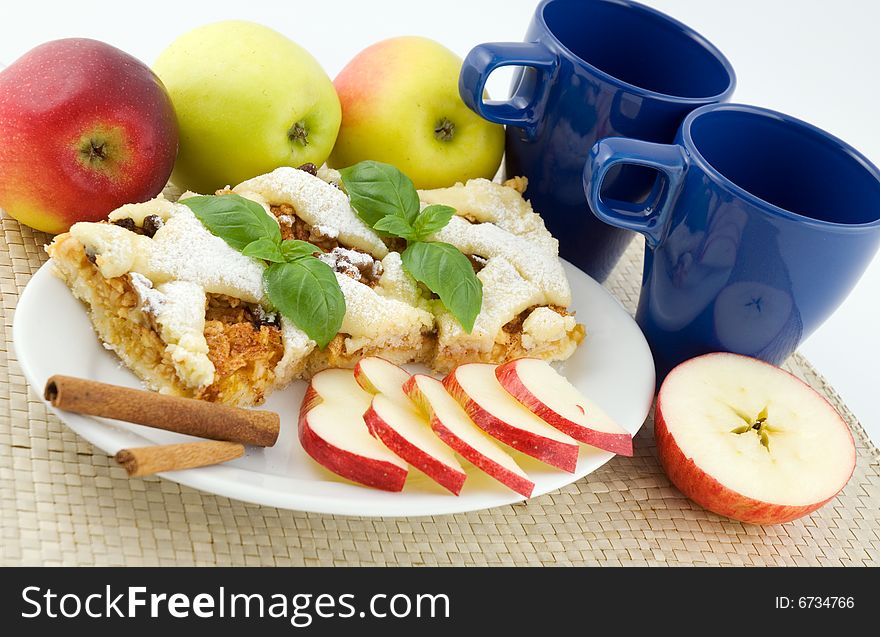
(52, 335)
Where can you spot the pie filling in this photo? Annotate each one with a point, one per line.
(118, 317)
(246, 343)
(292, 227)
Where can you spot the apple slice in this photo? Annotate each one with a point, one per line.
(549, 395)
(499, 414)
(750, 441)
(454, 427)
(378, 376)
(407, 433)
(332, 431)
(394, 419)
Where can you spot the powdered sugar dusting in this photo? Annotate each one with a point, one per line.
(297, 345)
(505, 295)
(506, 226)
(541, 267)
(543, 326)
(326, 231)
(149, 300)
(317, 203)
(396, 283)
(183, 249)
(159, 207)
(171, 273)
(349, 262)
(116, 250)
(369, 315)
(488, 202)
(181, 320)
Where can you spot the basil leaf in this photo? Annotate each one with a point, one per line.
(396, 226)
(301, 287)
(449, 274)
(265, 249)
(378, 190)
(431, 219)
(294, 249)
(236, 220)
(306, 292)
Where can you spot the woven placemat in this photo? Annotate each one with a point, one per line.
(64, 502)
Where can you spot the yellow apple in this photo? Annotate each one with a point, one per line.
(400, 105)
(248, 100)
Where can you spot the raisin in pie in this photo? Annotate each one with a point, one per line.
(188, 313)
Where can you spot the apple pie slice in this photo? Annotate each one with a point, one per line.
(525, 290)
(189, 315)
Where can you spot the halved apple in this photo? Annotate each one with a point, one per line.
(407, 433)
(333, 432)
(750, 441)
(499, 414)
(549, 395)
(378, 376)
(454, 427)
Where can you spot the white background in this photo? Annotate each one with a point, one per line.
(817, 60)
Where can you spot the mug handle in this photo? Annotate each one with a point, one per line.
(521, 112)
(652, 220)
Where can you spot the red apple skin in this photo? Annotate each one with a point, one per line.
(352, 466)
(56, 98)
(615, 443)
(552, 452)
(710, 494)
(506, 477)
(440, 473)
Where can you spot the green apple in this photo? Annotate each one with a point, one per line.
(400, 105)
(248, 100)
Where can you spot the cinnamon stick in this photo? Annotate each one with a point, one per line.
(172, 413)
(144, 461)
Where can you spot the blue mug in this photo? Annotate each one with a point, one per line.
(592, 69)
(759, 227)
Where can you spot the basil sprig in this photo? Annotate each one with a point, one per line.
(306, 291)
(387, 201)
(447, 272)
(303, 288)
(236, 220)
(378, 190)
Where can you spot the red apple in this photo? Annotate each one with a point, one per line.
(333, 432)
(549, 395)
(84, 129)
(750, 441)
(499, 414)
(454, 427)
